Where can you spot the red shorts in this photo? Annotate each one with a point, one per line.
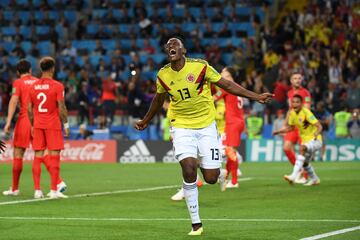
(293, 136)
(22, 133)
(233, 134)
(50, 139)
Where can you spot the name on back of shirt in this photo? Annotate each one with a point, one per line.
(42, 87)
(29, 82)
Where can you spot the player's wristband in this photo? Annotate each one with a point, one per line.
(66, 125)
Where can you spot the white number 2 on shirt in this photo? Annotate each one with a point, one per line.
(41, 96)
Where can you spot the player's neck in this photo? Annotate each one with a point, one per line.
(178, 65)
(25, 75)
(296, 88)
(47, 75)
(298, 110)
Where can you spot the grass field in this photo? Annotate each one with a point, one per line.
(264, 207)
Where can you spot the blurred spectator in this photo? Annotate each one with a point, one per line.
(18, 51)
(280, 94)
(278, 122)
(135, 97)
(34, 51)
(150, 65)
(254, 125)
(145, 25)
(335, 74)
(342, 119)
(353, 95)
(102, 69)
(99, 50)
(108, 97)
(147, 48)
(5, 70)
(83, 103)
(3, 52)
(69, 50)
(84, 134)
(325, 119)
(102, 34)
(354, 125)
(271, 59)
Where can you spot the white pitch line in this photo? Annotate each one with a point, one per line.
(178, 219)
(338, 232)
(102, 193)
(93, 194)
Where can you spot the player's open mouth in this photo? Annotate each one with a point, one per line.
(172, 52)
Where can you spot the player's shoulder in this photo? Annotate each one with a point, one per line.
(56, 83)
(304, 91)
(165, 68)
(196, 61)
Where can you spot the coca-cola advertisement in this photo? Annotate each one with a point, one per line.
(74, 151)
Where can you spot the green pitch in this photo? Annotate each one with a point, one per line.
(264, 207)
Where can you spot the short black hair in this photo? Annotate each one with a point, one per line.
(23, 66)
(179, 38)
(296, 71)
(298, 96)
(47, 63)
(232, 72)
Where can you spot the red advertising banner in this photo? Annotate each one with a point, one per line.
(74, 151)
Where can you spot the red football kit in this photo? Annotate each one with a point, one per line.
(294, 136)
(47, 123)
(22, 131)
(234, 119)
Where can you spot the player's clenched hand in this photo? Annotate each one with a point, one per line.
(7, 128)
(265, 97)
(32, 132)
(2, 146)
(66, 132)
(140, 125)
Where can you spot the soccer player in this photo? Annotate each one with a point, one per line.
(47, 110)
(192, 118)
(293, 137)
(22, 135)
(234, 126)
(311, 141)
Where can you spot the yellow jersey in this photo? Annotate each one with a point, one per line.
(302, 119)
(191, 102)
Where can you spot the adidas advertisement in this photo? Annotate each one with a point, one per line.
(145, 151)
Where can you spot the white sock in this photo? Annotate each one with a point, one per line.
(300, 159)
(191, 197)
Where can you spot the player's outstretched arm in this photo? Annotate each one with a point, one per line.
(64, 116)
(2, 146)
(236, 89)
(156, 105)
(11, 111)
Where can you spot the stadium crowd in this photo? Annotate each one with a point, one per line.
(108, 52)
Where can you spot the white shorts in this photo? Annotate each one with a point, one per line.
(202, 144)
(313, 145)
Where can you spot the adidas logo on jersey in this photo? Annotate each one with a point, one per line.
(137, 153)
(169, 157)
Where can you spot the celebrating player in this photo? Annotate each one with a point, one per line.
(22, 135)
(192, 118)
(234, 125)
(46, 112)
(310, 129)
(293, 137)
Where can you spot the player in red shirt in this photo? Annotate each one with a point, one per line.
(234, 126)
(293, 137)
(22, 135)
(47, 112)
